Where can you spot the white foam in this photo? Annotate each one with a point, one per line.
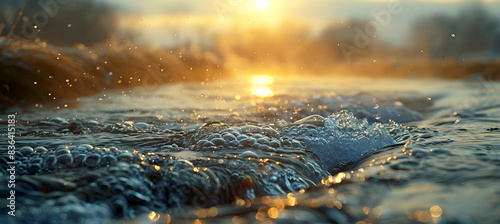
(344, 139)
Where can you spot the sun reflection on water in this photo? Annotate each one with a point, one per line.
(153, 216)
(261, 85)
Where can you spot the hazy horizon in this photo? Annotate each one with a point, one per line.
(176, 22)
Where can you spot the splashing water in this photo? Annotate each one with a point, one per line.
(299, 152)
(344, 140)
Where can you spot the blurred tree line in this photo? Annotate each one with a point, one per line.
(59, 22)
(474, 32)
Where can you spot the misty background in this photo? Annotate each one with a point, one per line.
(64, 49)
(299, 34)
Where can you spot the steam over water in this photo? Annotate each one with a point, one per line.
(285, 150)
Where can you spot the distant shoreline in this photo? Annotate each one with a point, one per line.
(37, 73)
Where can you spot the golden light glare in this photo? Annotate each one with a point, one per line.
(436, 211)
(153, 216)
(340, 177)
(262, 4)
(273, 213)
(261, 85)
(262, 80)
(262, 91)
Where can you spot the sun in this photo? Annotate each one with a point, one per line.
(262, 4)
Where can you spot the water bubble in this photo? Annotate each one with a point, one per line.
(108, 159)
(85, 147)
(218, 141)
(65, 160)
(229, 137)
(26, 151)
(141, 125)
(93, 160)
(50, 161)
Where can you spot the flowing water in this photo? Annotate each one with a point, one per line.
(262, 150)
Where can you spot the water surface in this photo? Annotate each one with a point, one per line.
(244, 150)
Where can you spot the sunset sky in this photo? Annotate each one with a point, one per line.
(167, 23)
